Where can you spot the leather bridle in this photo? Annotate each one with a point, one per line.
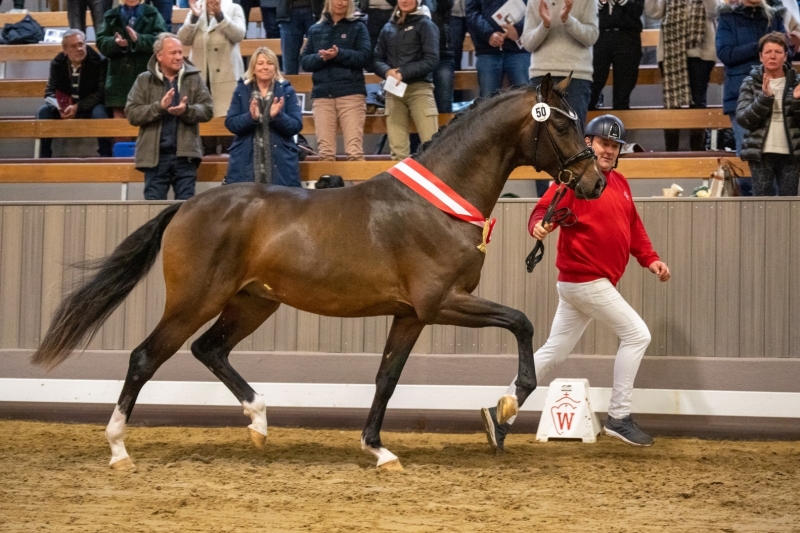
(565, 175)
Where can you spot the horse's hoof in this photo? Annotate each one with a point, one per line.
(507, 407)
(391, 466)
(259, 439)
(123, 465)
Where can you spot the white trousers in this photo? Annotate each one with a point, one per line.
(578, 305)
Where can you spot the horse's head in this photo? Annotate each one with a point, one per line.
(556, 143)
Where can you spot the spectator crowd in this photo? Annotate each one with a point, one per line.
(416, 46)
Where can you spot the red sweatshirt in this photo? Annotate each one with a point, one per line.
(607, 231)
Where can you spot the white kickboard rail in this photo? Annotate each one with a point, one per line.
(440, 397)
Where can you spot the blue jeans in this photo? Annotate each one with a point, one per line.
(48, 112)
(443, 85)
(579, 93)
(745, 184)
(493, 67)
(292, 33)
(180, 172)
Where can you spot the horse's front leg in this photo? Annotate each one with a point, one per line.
(402, 336)
(464, 309)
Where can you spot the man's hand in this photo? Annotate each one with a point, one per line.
(330, 53)
(765, 88)
(395, 73)
(796, 92)
(179, 109)
(544, 13)
(496, 39)
(134, 36)
(660, 269)
(213, 7)
(540, 232)
(69, 112)
(275, 108)
(566, 10)
(510, 32)
(196, 11)
(120, 40)
(166, 100)
(255, 112)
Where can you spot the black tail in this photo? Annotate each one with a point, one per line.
(85, 309)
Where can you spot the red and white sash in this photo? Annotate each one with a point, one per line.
(426, 184)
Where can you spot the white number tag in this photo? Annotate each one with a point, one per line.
(541, 112)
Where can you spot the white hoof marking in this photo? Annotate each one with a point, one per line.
(382, 454)
(257, 411)
(115, 433)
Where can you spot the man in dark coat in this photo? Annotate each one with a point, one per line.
(75, 88)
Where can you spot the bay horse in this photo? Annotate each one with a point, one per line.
(238, 252)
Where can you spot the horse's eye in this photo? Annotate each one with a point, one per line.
(561, 129)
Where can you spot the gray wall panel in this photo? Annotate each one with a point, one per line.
(776, 280)
(725, 256)
(751, 286)
(31, 276)
(727, 276)
(10, 275)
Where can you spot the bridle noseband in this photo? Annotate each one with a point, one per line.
(565, 176)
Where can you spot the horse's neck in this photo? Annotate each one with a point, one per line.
(476, 157)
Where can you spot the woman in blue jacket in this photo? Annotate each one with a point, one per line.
(739, 28)
(264, 116)
(336, 53)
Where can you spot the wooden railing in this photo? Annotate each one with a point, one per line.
(634, 119)
(121, 170)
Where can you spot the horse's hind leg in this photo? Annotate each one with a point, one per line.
(402, 336)
(464, 309)
(171, 332)
(241, 316)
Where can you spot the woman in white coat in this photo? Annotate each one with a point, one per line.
(214, 28)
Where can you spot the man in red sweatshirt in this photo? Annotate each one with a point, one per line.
(592, 256)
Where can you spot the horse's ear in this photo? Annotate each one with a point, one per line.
(562, 87)
(547, 86)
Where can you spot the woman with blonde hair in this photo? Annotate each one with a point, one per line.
(336, 53)
(264, 116)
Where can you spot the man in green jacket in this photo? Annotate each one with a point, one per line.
(167, 102)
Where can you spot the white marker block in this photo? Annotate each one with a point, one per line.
(567, 413)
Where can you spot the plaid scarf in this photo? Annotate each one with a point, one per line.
(683, 28)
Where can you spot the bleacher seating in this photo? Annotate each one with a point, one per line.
(117, 170)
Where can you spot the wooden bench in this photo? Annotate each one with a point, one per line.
(121, 170)
(463, 80)
(634, 119)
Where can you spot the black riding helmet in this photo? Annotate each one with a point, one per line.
(608, 127)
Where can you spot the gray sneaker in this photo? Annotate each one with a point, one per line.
(495, 433)
(626, 430)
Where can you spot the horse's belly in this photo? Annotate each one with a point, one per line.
(339, 299)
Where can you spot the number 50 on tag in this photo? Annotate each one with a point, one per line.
(540, 112)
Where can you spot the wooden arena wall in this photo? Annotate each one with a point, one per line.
(733, 292)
